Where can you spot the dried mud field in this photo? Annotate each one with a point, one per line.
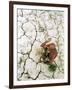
(33, 28)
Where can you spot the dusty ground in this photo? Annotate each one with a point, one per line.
(35, 27)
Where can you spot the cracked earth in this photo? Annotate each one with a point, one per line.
(35, 27)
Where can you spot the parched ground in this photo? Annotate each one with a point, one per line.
(35, 27)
